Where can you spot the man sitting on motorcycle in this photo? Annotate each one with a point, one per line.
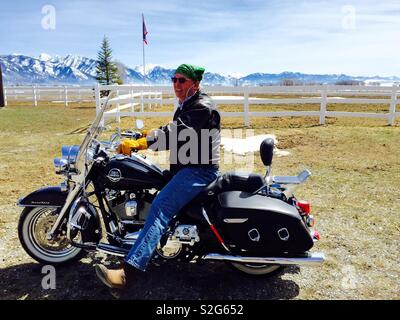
(193, 139)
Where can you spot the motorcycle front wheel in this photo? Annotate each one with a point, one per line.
(33, 227)
(257, 269)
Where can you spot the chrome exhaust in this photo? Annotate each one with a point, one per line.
(308, 259)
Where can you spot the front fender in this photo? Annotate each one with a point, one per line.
(44, 197)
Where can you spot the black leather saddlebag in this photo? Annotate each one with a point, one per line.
(256, 224)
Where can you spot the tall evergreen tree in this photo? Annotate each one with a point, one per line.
(106, 70)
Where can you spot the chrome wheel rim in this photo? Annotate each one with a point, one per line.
(39, 226)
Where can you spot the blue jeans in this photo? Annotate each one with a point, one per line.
(183, 187)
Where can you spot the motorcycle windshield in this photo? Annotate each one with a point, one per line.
(93, 132)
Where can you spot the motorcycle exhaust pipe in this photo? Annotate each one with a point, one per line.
(309, 259)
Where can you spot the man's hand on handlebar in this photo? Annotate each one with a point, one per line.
(129, 145)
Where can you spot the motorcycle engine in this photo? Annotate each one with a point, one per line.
(128, 206)
(183, 235)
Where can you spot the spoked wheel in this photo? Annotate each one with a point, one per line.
(33, 227)
(257, 269)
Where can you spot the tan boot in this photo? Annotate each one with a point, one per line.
(115, 279)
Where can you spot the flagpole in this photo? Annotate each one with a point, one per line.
(144, 61)
(144, 67)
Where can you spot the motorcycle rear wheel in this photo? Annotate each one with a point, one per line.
(33, 226)
(257, 269)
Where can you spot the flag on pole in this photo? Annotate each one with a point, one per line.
(144, 30)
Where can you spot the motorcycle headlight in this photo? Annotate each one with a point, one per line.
(70, 153)
(60, 164)
(68, 158)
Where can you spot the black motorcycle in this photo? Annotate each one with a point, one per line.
(252, 221)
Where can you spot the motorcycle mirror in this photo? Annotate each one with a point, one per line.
(139, 124)
(267, 151)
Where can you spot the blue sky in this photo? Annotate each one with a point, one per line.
(357, 37)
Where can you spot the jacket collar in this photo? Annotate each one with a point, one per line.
(186, 101)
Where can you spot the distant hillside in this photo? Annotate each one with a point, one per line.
(73, 69)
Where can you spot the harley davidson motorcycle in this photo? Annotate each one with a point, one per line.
(251, 221)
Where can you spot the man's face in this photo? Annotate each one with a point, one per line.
(185, 89)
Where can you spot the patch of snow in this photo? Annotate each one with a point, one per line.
(149, 68)
(45, 57)
(25, 62)
(37, 67)
(249, 144)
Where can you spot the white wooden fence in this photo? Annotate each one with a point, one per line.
(246, 96)
(125, 99)
(55, 94)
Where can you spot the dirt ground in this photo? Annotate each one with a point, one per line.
(354, 194)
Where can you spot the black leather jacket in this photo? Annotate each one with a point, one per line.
(193, 137)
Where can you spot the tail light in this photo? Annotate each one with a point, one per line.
(316, 235)
(304, 207)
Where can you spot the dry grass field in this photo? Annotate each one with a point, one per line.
(354, 194)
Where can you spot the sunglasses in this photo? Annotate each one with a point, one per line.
(180, 80)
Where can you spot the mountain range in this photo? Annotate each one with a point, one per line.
(20, 69)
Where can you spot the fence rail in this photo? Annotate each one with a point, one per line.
(148, 98)
(324, 95)
(60, 94)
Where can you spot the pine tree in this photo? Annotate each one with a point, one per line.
(106, 70)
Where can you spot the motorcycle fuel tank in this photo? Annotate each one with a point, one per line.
(257, 224)
(123, 173)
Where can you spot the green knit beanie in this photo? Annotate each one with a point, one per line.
(190, 71)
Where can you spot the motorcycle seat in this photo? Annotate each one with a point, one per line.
(232, 181)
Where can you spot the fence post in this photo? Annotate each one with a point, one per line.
(246, 107)
(142, 105)
(34, 96)
(3, 100)
(150, 104)
(131, 99)
(118, 116)
(97, 97)
(392, 108)
(322, 111)
(5, 97)
(118, 99)
(79, 96)
(66, 96)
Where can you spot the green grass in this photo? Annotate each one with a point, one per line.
(354, 190)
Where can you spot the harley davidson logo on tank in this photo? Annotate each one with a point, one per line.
(114, 175)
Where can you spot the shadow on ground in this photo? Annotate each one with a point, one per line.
(215, 281)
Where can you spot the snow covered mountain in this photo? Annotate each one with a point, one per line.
(20, 69)
(302, 78)
(71, 69)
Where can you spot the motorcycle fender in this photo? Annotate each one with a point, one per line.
(45, 197)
